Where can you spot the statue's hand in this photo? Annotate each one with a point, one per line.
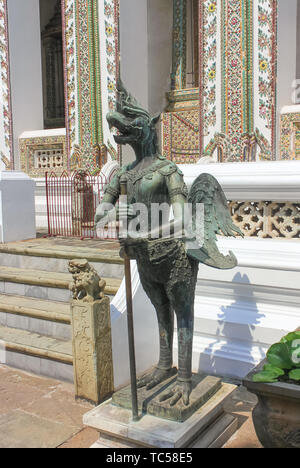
(179, 390)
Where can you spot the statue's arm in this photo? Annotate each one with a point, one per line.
(106, 209)
(178, 198)
(177, 191)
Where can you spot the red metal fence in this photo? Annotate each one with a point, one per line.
(72, 201)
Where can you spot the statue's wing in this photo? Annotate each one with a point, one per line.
(206, 190)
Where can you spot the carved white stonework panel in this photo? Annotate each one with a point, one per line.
(266, 219)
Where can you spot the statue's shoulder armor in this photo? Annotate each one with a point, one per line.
(169, 169)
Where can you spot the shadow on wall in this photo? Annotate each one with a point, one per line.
(232, 352)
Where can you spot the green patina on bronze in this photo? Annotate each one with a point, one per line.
(168, 266)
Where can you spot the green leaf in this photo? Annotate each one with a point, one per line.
(279, 356)
(275, 370)
(295, 375)
(294, 350)
(265, 376)
(291, 337)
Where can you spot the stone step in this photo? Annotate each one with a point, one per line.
(55, 250)
(54, 265)
(53, 257)
(49, 318)
(36, 353)
(44, 284)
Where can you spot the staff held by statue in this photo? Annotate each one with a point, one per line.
(135, 417)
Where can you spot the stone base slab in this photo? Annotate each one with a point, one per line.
(203, 387)
(116, 423)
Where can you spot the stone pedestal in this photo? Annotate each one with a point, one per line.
(203, 388)
(209, 426)
(92, 349)
(17, 207)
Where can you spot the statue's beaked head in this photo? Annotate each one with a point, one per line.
(135, 125)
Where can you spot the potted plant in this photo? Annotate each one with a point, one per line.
(276, 382)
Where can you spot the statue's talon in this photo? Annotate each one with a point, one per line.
(156, 377)
(175, 398)
(179, 390)
(166, 396)
(153, 383)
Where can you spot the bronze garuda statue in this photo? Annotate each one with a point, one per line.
(167, 264)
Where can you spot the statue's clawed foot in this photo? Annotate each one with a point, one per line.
(179, 390)
(156, 377)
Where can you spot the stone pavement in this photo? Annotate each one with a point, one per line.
(241, 405)
(37, 412)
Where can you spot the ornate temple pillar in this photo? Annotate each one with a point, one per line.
(234, 118)
(89, 26)
(238, 57)
(6, 137)
(178, 75)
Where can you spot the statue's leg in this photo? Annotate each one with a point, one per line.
(165, 316)
(181, 297)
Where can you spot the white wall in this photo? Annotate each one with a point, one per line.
(146, 53)
(160, 28)
(134, 54)
(26, 68)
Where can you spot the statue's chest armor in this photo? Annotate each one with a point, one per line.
(147, 186)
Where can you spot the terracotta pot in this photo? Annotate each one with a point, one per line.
(277, 415)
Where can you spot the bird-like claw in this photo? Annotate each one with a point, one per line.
(179, 390)
(154, 378)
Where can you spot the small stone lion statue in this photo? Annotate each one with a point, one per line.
(87, 285)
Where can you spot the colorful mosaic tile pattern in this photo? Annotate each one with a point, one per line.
(83, 77)
(69, 28)
(6, 150)
(267, 67)
(210, 18)
(111, 13)
(290, 136)
(237, 95)
(181, 136)
(178, 76)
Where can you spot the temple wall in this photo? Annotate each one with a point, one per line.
(25, 68)
(287, 51)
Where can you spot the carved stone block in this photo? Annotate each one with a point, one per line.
(92, 349)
